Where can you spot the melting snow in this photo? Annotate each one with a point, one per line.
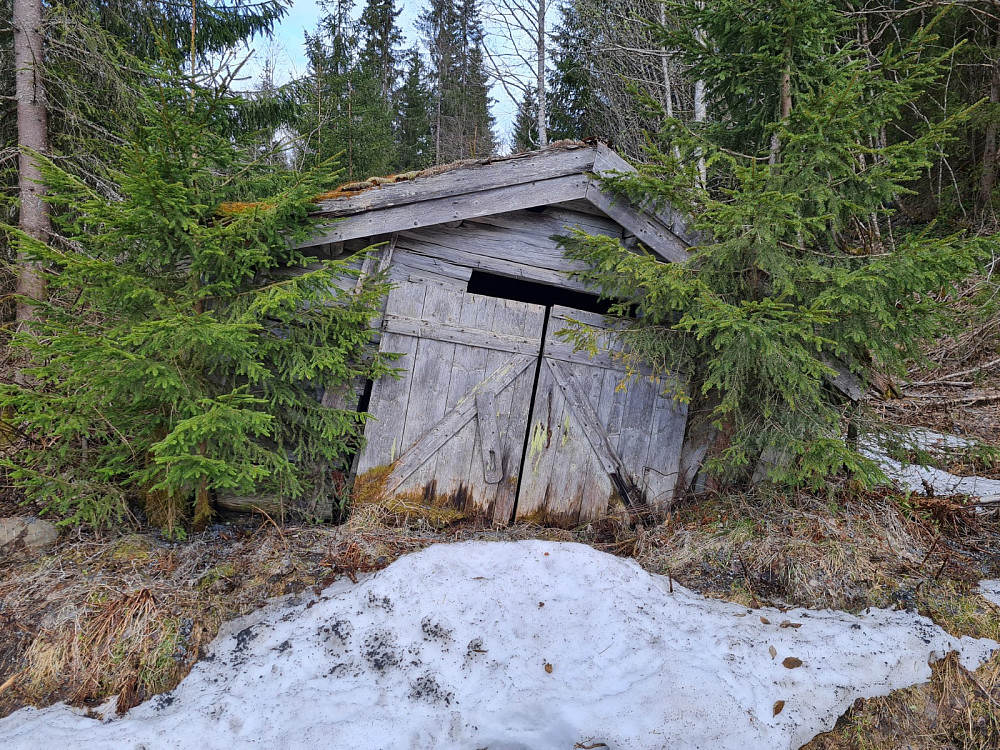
(990, 591)
(529, 645)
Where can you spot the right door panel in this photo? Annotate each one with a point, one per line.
(592, 438)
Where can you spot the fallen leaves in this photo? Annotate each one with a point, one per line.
(790, 662)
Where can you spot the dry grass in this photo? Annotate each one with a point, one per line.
(126, 615)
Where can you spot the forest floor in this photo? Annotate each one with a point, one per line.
(126, 613)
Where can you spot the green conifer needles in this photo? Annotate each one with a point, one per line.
(803, 263)
(171, 361)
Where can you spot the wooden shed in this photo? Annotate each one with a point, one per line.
(495, 415)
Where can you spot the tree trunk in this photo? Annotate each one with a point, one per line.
(786, 102)
(668, 89)
(701, 113)
(543, 136)
(32, 136)
(988, 179)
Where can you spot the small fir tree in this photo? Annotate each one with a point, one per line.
(171, 363)
(525, 136)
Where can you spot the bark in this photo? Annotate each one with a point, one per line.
(988, 179)
(32, 136)
(543, 137)
(668, 89)
(700, 114)
(786, 102)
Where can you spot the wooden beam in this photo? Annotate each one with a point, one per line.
(608, 162)
(544, 165)
(650, 231)
(489, 264)
(453, 208)
(489, 437)
(415, 456)
(460, 335)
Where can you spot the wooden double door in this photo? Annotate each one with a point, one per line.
(495, 416)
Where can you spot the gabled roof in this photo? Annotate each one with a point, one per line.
(563, 172)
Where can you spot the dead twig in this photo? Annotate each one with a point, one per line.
(10, 681)
(983, 691)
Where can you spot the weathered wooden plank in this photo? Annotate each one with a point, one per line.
(583, 410)
(653, 234)
(431, 373)
(466, 335)
(540, 166)
(489, 437)
(434, 438)
(273, 506)
(609, 162)
(513, 403)
(384, 431)
(565, 352)
(428, 265)
(536, 501)
(609, 401)
(845, 381)
(498, 266)
(426, 213)
(376, 261)
(636, 429)
(458, 463)
(551, 221)
(663, 460)
(525, 247)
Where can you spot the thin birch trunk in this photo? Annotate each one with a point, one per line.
(542, 118)
(32, 137)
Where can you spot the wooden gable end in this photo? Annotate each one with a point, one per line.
(546, 178)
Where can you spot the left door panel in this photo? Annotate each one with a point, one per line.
(450, 430)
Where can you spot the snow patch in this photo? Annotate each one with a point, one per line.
(990, 591)
(518, 645)
(917, 479)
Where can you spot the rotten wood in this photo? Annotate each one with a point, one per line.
(544, 165)
(270, 505)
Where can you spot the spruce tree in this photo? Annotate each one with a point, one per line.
(347, 96)
(172, 363)
(414, 139)
(77, 81)
(380, 39)
(461, 122)
(802, 263)
(525, 136)
(570, 89)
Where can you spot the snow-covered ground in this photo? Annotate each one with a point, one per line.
(529, 645)
(916, 478)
